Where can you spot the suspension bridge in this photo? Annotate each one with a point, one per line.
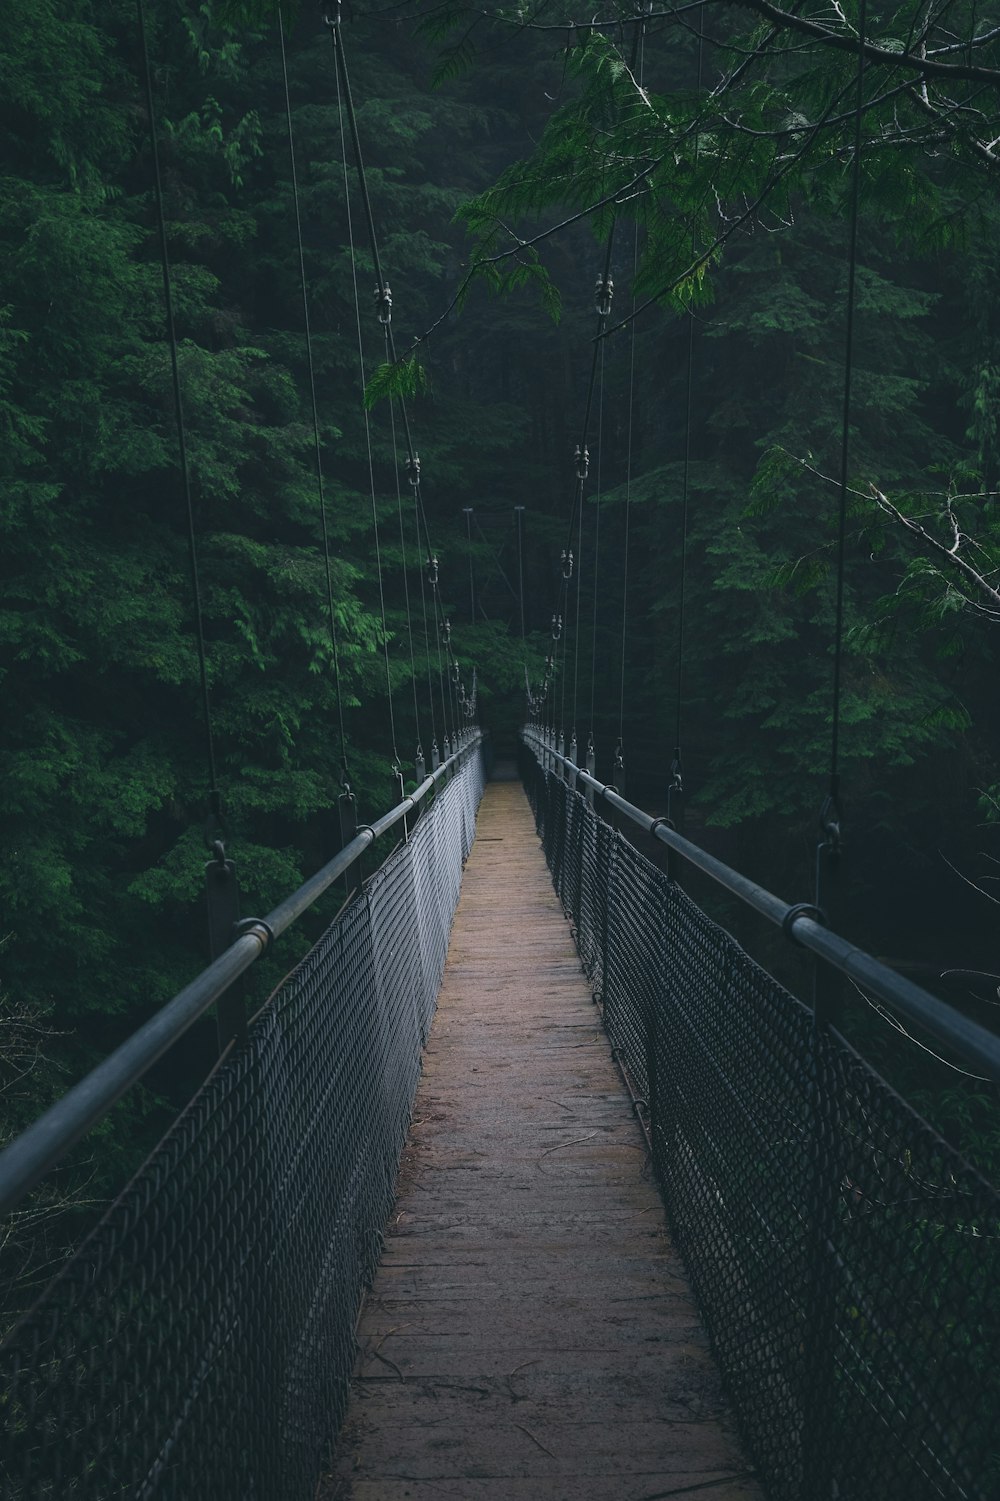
(527, 1181)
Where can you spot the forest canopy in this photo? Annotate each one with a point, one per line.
(701, 158)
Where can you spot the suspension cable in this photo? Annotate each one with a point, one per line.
(603, 295)
(317, 446)
(467, 511)
(676, 785)
(214, 794)
(368, 434)
(604, 292)
(406, 589)
(619, 777)
(383, 297)
(427, 631)
(518, 515)
(576, 630)
(597, 550)
(830, 816)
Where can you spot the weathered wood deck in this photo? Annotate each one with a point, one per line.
(530, 1333)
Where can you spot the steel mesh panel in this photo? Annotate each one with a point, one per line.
(845, 1259)
(199, 1345)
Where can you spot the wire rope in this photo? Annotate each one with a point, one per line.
(427, 631)
(620, 750)
(582, 459)
(467, 511)
(317, 444)
(831, 813)
(406, 588)
(384, 304)
(603, 294)
(576, 628)
(368, 434)
(676, 786)
(518, 523)
(597, 549)
(214, 794)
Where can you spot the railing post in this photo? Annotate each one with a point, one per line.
(222, 892)
(399, 796)
(347, 808)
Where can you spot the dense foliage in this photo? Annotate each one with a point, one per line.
(718, 145)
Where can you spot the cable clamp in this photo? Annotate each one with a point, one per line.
(446, 632)
(556, 627)
(332, 15)
(214, 828)
(383, 303)
(256, 926)
(801, 909)
(581, 458)
(829, 822)
(566, 559)
(664, 823)
(603, 293)
(456, 673)
(432, 571)
(413, 469)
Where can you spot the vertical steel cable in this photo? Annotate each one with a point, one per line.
(427, 629)
(604, 295)
(639, 64)
(214, 795)
(306, 324)
(831, 814)
(364, 409)
(597, 541)
(406, 592)
(677, 765)
(620, 752)
(519, 513)
(576, 625)
(472, 577)
(384, 300)
(583, 461)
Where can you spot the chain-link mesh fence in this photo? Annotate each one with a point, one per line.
(845, 1258)
(199, 1345)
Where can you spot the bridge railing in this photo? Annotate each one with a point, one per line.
(846, 1260)
(200, 1343)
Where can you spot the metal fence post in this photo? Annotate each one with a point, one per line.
(222, 893)
(347, 808)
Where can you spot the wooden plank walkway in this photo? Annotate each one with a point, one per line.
(530, 1333)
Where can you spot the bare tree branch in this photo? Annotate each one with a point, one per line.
(925, 66)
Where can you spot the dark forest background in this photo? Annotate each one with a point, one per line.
(103, 777)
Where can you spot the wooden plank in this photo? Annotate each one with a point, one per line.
(531, 1333)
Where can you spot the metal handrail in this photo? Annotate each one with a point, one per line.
(974, 1044)
(47, 1140)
